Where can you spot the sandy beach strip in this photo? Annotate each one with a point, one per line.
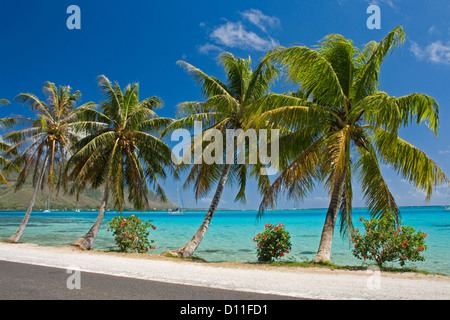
(315, 283)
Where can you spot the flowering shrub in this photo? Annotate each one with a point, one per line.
(131, 234)
(273, 243)
(383, 242)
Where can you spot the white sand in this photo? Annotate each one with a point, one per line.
(293, 281)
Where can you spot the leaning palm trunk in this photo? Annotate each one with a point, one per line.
(16, 236)
(188, 249)
(324, 252)
(86, 241)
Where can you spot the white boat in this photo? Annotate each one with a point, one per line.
(179, 210)
(48, 206)
(176, 211)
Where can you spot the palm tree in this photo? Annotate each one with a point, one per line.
(226, 107)
(348, 126)
(42, 146)
(120, 151)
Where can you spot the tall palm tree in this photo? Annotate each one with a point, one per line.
(349, 127)
(120, 151)
(43, 144)
(226, 107)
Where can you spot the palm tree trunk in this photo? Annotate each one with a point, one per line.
(188, 249)
(324, 252)
(16, 236)
(86, 241)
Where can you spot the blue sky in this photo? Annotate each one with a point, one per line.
(141, 41)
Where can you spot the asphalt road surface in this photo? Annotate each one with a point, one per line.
(32, 282)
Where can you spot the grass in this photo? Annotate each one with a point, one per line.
(292, 263)
(191, 258)
(332, 266)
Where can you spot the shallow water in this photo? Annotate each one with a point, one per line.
(230, 235)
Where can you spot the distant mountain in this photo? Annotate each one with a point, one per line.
(89, 200)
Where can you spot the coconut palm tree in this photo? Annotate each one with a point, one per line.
(350, 126)
(225, 108)
(120, 151)
(42, 145)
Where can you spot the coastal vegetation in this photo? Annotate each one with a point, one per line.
(336, 126)
(131, 233)
(380, 244)
(41, 145)
(272, 243)
(347, 127)
(86, 200)
(227, 106)
(120, 148)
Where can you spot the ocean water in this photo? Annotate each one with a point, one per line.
(230, 235)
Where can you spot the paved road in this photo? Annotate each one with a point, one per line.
(32, 282)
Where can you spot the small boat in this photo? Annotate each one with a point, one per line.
(48, 206)
(177, 211)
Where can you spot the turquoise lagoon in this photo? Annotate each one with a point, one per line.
(230, 235)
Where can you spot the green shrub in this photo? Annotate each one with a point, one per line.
(272, 243)
(383, 242)
(131, 234)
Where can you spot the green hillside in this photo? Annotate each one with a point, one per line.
(89, 200)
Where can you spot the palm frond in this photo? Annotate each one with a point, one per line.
(366, 80)
(377, 195)
(297, 179)
(381, 110)
(410, 162)
(280, 110)
(316, 75)
(210, 86)
(336, 151)
(339, 52)
(35, 104)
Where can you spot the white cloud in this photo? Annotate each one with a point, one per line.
(432, 29)
(239, 35)
(234, 35)
(390, 3)
(208, 48)
(436, 52)
(260, 20)
(206, 200)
